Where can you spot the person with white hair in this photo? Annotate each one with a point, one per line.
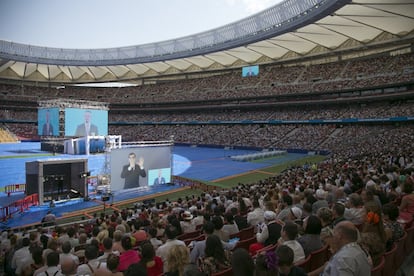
(269, 232)
(321, 200)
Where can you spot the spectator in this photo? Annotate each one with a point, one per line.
(164, 250)
(22, 257)
(256, 216)
(407, 202)
(177, 260)
(391, 213)
(152, 263)
(269, 232)
(338, 211)
(326, 217)
(356, 212)
(92, 264)
(230, 225)
(198, 247)
(52, 262)
(215, 258)
(349, 257)
(288, 237)
(242, 263)
(152, 233)
(218, 229)
(129, 256)
(311, 240)
(286, 265)
(107, 245)
(66, 253)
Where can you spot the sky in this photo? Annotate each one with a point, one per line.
(87, 24)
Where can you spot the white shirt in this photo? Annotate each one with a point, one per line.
(255, 217)
(21, 258)
(163, 250)
(297, 248)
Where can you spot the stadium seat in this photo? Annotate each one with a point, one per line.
(189, 235)
(246, 233)
(243, 234)
(400, 254)
(305, 263)
(409, 243)
(226, 272)
(267, 248)
(389, 256)
(318, 257)
(378, 270)
(245, 243)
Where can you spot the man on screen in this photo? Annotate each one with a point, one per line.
(87, 128)
(160, 179)
(133, 171)
(250, 72)
(47, 129)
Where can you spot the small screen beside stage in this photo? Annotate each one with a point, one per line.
(48, 122)
(86, 122)
(139, 166)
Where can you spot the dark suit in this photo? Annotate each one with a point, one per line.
(132, 176)
(47, 131)
(81, 130)
(159, 181)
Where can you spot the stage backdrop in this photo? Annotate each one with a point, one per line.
(157, 164)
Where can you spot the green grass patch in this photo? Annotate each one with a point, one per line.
(265, 173)
(26, 156)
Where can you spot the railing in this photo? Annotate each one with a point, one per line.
(18, 206)
(14, 188)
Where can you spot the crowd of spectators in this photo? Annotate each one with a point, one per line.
(365, 184)
(273, 80)
(297, 209)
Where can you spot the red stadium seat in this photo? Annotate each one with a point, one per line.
(400, 254)
(245, 243)
(305, 263)
(378, 270)
(226, 272)
(409, 243)
(389, 256)
(318, 257)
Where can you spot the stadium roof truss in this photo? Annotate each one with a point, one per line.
(292, 31)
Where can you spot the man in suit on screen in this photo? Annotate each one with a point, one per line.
(87, 128)
(133, 171)
(160, 180)
(47, 129)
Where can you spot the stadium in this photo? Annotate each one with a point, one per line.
(309, 99)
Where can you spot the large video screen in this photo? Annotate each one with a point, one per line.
(48, 122)
(86, 122)
(140, 166)
(250, 71)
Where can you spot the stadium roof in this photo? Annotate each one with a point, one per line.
(292, 31)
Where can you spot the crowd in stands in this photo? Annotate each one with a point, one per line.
(273, 80)
(357, 205)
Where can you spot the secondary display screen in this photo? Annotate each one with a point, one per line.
(48, 122)
(250, 71)
(140, 166)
